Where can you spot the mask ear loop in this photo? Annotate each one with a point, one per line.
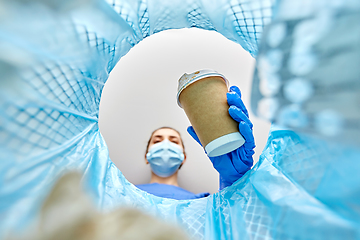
(183, 158)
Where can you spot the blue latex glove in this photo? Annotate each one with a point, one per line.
(234, 165)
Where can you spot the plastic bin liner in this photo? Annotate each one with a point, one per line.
(55, 57)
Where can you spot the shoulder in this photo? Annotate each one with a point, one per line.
(170, 191)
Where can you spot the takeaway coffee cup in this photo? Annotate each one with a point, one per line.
(202, 95)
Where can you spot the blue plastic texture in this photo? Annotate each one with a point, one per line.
(307, 70)
(55, 57)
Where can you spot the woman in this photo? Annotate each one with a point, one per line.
(165, 152)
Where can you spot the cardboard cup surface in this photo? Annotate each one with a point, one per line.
(205, 104)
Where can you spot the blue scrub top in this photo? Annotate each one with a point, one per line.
(170, 191)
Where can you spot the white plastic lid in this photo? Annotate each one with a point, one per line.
(224, 144)
(188, 79)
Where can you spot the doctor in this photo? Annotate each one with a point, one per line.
(165, 153)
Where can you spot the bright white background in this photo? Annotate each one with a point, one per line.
(140, 96)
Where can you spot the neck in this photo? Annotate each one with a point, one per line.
(172, 180)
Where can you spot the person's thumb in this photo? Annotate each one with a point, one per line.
(192, 133)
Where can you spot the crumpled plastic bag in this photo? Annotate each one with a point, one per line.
(56, 56)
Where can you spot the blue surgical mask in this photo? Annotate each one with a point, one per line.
(165, 158)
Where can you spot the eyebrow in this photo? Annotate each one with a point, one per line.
(160, 136)
(174, 137)
(157, 136)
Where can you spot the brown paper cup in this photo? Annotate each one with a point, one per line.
(202, 95)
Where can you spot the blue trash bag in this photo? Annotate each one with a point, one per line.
(55, 57)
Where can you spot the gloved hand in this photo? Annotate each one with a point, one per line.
(234, 165)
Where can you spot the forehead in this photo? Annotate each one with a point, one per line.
(166, 132)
